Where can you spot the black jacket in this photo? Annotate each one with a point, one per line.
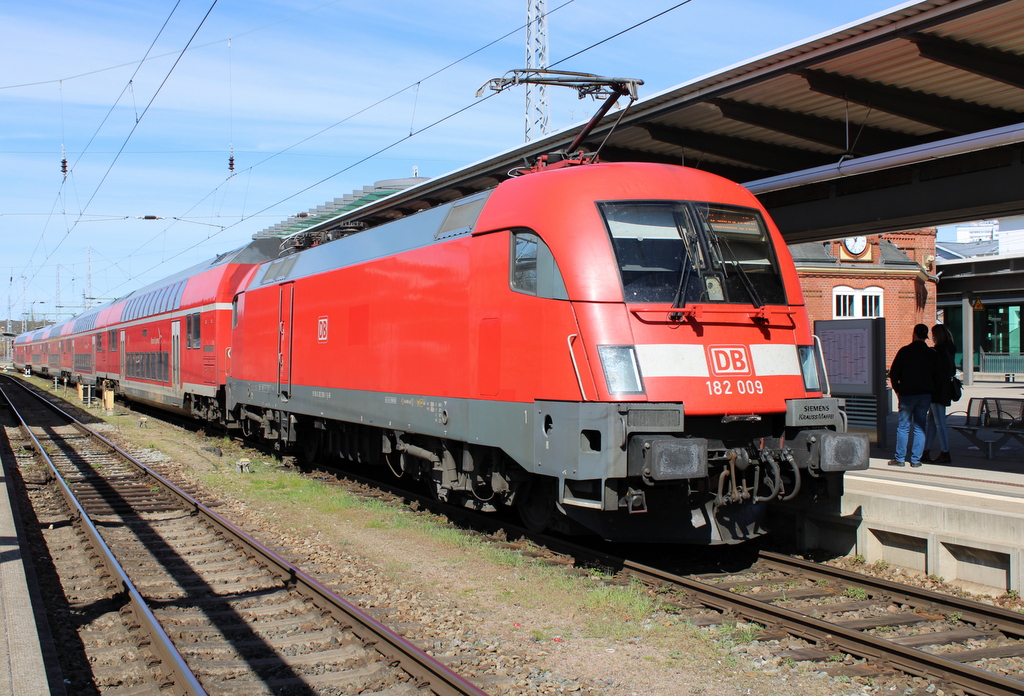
(915, 370)
(947, 370)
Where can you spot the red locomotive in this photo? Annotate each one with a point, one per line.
(617, 347)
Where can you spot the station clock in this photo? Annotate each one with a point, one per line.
(855, 246)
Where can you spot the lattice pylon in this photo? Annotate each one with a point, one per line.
(536, 58)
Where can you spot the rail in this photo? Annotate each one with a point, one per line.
(836, 636)
(424, 670)
(181, 677)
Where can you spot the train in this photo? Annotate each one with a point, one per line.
(619, 349)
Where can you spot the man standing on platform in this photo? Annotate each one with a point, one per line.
(915, 376)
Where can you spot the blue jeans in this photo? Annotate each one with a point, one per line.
(937, 423)
(913, 407)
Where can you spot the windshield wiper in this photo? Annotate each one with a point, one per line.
(683, 285)
(744, 277)
(689, 260)
(745, 281)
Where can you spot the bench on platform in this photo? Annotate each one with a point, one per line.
(991, 422)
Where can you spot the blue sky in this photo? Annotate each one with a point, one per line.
(287, 87)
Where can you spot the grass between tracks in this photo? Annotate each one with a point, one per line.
(610, 611)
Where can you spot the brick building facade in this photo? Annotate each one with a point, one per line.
(890, 275)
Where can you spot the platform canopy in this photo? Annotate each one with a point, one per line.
(911, 117)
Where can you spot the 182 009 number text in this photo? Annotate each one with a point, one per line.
(741, 386)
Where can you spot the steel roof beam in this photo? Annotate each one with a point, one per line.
(929, 198)
(763, 155)
(626, 154)
(954, 116)
(729, 171)
(987, 62)
(852, 138)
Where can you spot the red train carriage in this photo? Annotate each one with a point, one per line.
(621, 347)
(165, 344)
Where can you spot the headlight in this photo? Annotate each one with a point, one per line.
(809, 368)
(621, 372)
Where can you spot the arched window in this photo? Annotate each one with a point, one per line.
(856, 303)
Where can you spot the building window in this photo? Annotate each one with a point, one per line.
(871, 305)
(856, 303)
(844, 306)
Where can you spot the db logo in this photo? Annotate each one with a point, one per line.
(321, 330)
(729, 360)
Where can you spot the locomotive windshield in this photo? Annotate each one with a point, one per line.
(683, 252)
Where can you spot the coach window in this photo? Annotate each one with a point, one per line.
(164, 296)
(179, 290)
(99, 343)
(533, 269)
(194, 330)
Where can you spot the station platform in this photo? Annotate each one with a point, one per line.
(962, 521)
(23, 652)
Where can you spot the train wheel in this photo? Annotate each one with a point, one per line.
(536, 503)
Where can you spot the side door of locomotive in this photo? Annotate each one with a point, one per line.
(285, 312)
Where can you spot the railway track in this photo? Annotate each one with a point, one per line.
(854, 625)
(954, 643)
(888, 628)
(172, 599)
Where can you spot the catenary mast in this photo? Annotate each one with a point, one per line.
(536, 58)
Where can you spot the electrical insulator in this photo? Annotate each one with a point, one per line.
(231, 163)
(64, 165)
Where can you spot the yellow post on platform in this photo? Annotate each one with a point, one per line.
(79, 385)
(108, 399)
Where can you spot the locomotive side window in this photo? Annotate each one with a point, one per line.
(682, 252)
(533, 268)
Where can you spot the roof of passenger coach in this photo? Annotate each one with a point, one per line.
(194, 286)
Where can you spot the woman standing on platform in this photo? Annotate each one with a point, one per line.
(943, 340)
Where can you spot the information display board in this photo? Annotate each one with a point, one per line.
(854, 352)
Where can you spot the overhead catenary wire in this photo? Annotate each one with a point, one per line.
(413, 132)
(61, 193)
(134, 127)
(171, 53)
(351, 116)
(403, 139)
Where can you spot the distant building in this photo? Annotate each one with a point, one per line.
(890, 275)
(1011, 236)
(979, 231)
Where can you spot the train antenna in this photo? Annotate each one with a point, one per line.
(587, 85)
